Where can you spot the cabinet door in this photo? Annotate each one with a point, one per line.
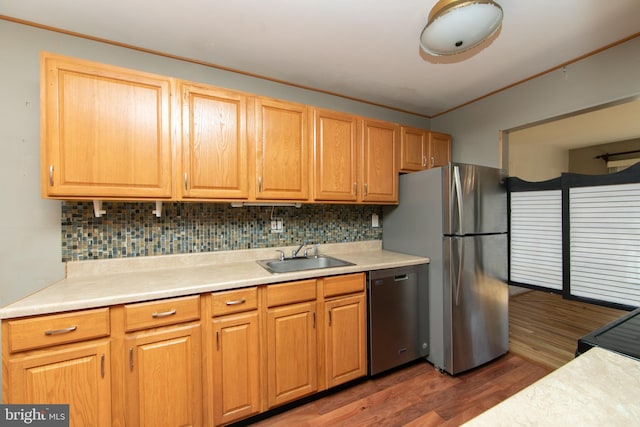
(292, 370)
(105, 131)
(346, 340)
(439, 149)
(75, 374)
(335, 156)
(414, 147)
(214, 143)
(164, 377)
(236, 368)
(281, 146)
(379, 162)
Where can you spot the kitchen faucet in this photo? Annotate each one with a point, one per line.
(294, 253)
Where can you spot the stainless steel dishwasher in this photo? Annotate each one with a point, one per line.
(398, 316)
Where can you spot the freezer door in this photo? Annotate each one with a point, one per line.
(475, 200)
(476, 299)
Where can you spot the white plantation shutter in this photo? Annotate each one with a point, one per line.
(536, 238)
(605, 243)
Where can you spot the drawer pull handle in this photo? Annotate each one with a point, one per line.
(237, 302)
(131, 358)
(163, 314)
(61, 331)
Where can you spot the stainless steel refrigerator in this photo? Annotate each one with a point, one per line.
(457, 216)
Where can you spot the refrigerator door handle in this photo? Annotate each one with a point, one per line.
(458, 281)
(458, 194)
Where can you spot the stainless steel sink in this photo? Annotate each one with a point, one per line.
(301, 263)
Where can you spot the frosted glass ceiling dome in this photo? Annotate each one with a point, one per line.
(455, 26)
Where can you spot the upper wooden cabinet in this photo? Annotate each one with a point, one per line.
(355, 159)
(336, 148)
(281, 150)
(439, 149)
(379, 171)
(105, 131)
(422, 149)
(414, 149)
(214, 143)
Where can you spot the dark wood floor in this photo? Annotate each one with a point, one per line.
(543, 336)
(544, 328)
(417, 395)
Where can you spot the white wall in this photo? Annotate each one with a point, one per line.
(605, 77)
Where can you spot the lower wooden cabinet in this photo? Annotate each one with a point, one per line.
(291, 353)
(236, 367)
(164, 377)
(74, 374)
(160, 363)
(346, 339)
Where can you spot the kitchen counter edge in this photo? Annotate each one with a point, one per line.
(182, 275)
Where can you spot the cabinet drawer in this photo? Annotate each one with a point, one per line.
(45, 331)
(292, 292)
(160, 313)
(234, 301)
(341, 285)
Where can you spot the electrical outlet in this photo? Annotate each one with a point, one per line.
(375, 221)
(277, 225)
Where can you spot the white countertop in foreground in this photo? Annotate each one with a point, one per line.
(598, 388)
(101, 283)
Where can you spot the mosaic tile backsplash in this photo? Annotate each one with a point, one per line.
(130, 229)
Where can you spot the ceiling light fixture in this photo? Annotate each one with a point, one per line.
(455, 26)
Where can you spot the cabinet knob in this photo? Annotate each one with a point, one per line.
(186, 182)
(51, 175)
(259, 184)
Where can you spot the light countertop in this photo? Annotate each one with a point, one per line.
(598, 388)
(102, 283)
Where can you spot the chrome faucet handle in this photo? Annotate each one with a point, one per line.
(281, 254)
(315, 251)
